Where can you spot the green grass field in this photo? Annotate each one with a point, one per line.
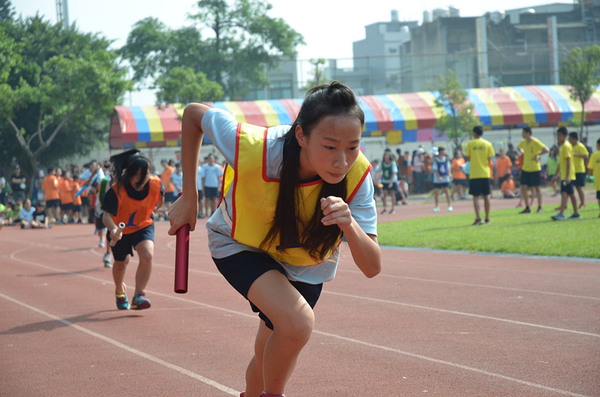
(532, 234)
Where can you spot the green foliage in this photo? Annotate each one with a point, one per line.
(57, 90)
(459, 120)
(7, 11)
(318, 77)
(581, 70)
(183, 85)
(509, 232)
(245, 42)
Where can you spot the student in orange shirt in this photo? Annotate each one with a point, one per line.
(508, 187)
(52, 195)
(131, 200)
(66, 197)
(77, 202)
(503, 165)
(458, 176)
(165, 178)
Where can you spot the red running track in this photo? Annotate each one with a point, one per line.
(432, 323)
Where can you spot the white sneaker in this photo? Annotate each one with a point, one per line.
(101, 244)
(450, 208)
(436, 209)
(107, 260)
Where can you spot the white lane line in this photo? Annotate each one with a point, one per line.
(128, 349)
(504, 320)
(427, 280)
(385, 348)
(454, 365)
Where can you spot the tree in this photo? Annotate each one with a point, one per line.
(245, 43)
(183, 85)
(7, 11)
(57, 92)
(581, 70)
(458, 121)
(318, 77)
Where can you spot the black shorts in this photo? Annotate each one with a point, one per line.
(531, 178)
(128, 242)
(53, 203)
(200, 195)
(170, 197)
(99, 222)
(566, 188)
(579, 179)
(66, 207)
(479, 187)
(502, 179)
(440, 185)
(241, 270)
(549, 178)
(386, 186)
(211, 192)
(76, 208)
(598, 194)
(461, 182)
(85, 201)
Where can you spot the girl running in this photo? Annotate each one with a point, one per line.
(290, 196)
(131, 200)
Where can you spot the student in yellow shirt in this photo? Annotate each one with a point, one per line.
(531, 148)
(567, 175)
(478, 153)
(580, 157)
(594, 168)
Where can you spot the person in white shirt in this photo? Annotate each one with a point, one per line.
(200, 186)
(213, 174)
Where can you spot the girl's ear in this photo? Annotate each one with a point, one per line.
(300, 137)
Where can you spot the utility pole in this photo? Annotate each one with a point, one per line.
(62, 13)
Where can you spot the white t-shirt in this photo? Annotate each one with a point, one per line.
(211, 175)
(177, 180)
(221, 128)
(199, 177)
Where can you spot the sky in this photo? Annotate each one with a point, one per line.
(329, 27)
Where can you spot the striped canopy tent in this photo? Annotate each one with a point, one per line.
(398, 117)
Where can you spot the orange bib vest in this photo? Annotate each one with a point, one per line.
(254, 196)
(135, 214)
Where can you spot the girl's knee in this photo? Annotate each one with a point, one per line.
(297, 327)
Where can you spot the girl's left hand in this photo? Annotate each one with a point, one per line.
(336, 212)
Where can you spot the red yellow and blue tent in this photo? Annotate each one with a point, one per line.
(400, 117)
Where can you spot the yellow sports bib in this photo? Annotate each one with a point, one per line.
(254, 195)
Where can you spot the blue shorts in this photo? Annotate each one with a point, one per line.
(533, 178)
(128, 242)
(170, 197)
(53, 203)
(211, 192)
(579, 179)
(479, 187)
(241, 270)
(566, 188)
(461, 182)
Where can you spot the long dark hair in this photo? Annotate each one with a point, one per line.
(126, 165)
(318, 240)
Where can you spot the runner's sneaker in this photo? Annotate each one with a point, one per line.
(582, 206)
(384, 211)
(122, 302)
(436, 209)
(450, 208)
(392, 211)
(527, 210)
(540, 210)
(558, 217)
(107, 259)
(575, 216)
(477, 222)
(487, 222)
(140, 302)
(101, 244)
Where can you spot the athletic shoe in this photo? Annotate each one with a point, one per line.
(582, 206)
(527, 210)
(392, 211)
(436, 209)
(122, 302)
(575, 216)
(540, 211)
(384, 211)
(95, 231)
(404, 203)
(265, 394)
(140, 302)
(450, 208)
(101, 244)
(477, 222)
(107, 259)
(487, 222)
(558, 217)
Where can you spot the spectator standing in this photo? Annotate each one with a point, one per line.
(419, 170)
(177, 180)
(213, 175)
(567, 176)
(441, 178)
(458, 175)
(479, 152)
(77, 200)
(594, 169)
(200, 186)
(389, 180)
(580, 157)
(52, 195)
(531, 170)
(376, 177)
(18, 184)
(165, 178)
(65, 187)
